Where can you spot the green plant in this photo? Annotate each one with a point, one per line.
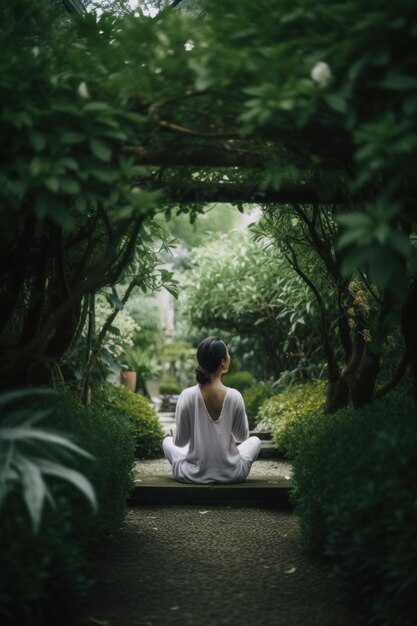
(293, 406)
(169, 387)
(136, 410)
(253, 397)
(266, 302)
(29, 453)
(238, 380)
(48, 580)
(142, 361)
(354, 490)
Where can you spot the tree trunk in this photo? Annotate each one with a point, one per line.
(409, 330)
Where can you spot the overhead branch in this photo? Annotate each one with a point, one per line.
(183, 130)
(204, 156)
(184, 193)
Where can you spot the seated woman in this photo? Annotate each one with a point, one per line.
(211, 442)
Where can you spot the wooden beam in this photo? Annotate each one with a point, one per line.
(208, 156)
(210, 192)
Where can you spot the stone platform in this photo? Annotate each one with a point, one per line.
(254, 491)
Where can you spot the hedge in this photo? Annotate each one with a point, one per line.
(355, 476)
(45, 579)
(294, 405)
(138, 412)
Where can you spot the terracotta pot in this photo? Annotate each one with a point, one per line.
(128, 379)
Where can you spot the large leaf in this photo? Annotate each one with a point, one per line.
(72, 476)
(21, 433)
(34, 489)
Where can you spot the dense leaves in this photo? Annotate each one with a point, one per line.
(24, 468)
(354, 476)
(255, 294)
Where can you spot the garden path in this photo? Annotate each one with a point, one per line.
(212, 566)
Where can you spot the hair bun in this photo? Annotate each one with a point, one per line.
(202, 375)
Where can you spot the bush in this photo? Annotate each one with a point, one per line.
(138, 412)
(253, 397)
(238, 380)
(169, 388)
(355, 473)
(45, 579)
(292, 406)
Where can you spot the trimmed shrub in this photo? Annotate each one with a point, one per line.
(355, 476)
(253, 397)
(238, 380)
(292, 406)
(45, 579)
(138, 412)
(169, 388)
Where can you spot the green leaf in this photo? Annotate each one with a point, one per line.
(400, 243)
(114, 301)
(399, 82)
(96, 107)
(34, 489)
(37, 140)
(105, 176)
(354, 219)
(100, 150)
(69, 185)
(26, 433)
(72, 138)
(11, 396)
(336, 102)
(52, 183)
(80, 203)
(72, 476)
(69, 163)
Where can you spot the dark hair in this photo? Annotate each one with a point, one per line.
(210, 353)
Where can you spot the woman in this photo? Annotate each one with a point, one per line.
(211, 442)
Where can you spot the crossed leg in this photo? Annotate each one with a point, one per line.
(250, 448)
(172, 452)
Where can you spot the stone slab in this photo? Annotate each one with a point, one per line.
(268, 451)
(255, 491)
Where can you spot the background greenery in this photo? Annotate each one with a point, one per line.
(45, 579)
(354, 476)
(113, 123)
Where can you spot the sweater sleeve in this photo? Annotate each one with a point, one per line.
(182, 421)
(240, 426)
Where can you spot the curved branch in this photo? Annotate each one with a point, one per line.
(183, 130)
(333, 368)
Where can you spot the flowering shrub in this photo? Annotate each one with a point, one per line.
(121, 332)
(293, 406)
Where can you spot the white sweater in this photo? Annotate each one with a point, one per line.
(212, 455)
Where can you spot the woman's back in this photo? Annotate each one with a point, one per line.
(211, 422)
(214, 396)
(212, 454)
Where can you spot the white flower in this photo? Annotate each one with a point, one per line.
(83, 90)
(116, 341)
(321, 74)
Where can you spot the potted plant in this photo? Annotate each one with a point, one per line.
(128, 375)
(141, 363)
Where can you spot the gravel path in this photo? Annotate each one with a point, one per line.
(262, 467)
(194, 566)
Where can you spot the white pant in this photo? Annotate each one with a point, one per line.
(248, 449)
